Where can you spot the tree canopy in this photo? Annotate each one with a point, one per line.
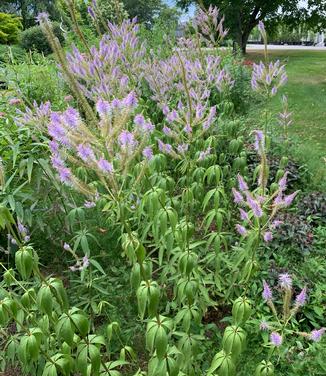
(29, 9)
(241, 16)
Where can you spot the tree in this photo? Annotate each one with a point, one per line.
(242, 16)
(145, 10)
(10, 27)
(29, 9)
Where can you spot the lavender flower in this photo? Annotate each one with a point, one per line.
(54, 146)
(237, 196)
(242, 184)
(130, 100)
(66, 247)
(259, 141)
(285, 281)
(268, 236)
(244, 215)
(267, 292)
(127, 140)
(301, 298)
(316, 335)
(42, 17)
(91, 12)
(167, 131)
(172, 116)
(276, 339)
(21, 228)
(148, 153)
(139, 120)
(283, 181)
(89, 204)
(64, 174)
(71, 118)
(204, 154)
(12, 240)
(85, 262)
(104, 165)
(85, 152)
(182, 148)
(287, 201)
(103, 108)
(264, 326)
(241, 230)
(254, 205)
(261, 27)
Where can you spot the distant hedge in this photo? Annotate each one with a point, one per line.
(34, 39)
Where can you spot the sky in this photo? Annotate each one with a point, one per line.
(186, 15)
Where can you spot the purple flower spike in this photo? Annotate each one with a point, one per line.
(316, 335)
(301, 298)
(287, 201)
(237, 196)
(261, 27)
(244, 215)
(242, 184)
(267, 292)
(259, 141)
(268, 236)
(254, 206)
(64, 174)
(103, 108)
(91, 12)
(139, 120)
(127, 139)
(276, 339)
(148, 153)
(283, 181)
(42, 17)
(274, 91)
(104, 165)
(241, 230)
(85, 152)
(285, 281)
(166, 130)
(130, 100)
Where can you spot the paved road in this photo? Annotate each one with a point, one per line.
(282, 47)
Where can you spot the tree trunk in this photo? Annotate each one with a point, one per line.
(244, 41)
(241, 41)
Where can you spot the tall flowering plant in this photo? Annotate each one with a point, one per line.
(154, 181)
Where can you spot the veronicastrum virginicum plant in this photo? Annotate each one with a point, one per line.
(152, 180)
(50, 337)
(279, 324)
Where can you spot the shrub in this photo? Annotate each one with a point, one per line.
(34, 39)
(10, 27)
(12, 53)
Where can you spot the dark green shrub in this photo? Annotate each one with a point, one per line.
(10, 27)
(34, 39)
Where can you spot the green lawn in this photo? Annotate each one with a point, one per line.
(306, 90)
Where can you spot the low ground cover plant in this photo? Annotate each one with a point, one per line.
(147, 152)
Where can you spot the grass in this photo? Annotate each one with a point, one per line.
(306, 90)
